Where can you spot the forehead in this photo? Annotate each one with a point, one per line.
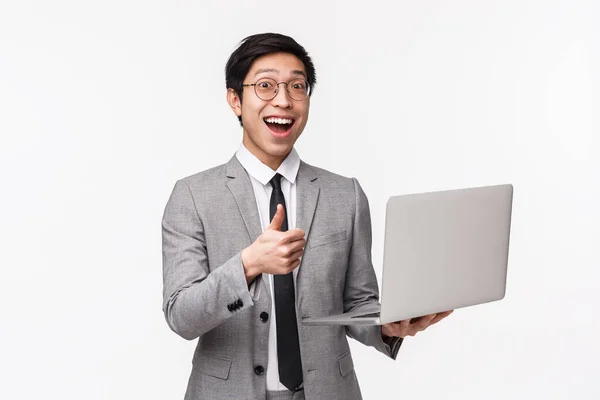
(277, 64)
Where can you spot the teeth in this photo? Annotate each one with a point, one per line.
(282, 121)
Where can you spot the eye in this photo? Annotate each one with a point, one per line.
(299, 86)
(265, 84)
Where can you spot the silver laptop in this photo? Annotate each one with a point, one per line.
(442, 251)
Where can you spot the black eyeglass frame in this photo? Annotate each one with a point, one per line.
(277, 88)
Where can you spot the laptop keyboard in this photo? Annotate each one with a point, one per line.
(372, 315)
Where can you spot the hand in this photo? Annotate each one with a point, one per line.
(413, 326)
(274, 252)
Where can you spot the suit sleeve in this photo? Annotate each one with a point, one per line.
(361, 283)
(196, 300)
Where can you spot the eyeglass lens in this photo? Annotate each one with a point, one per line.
(266, 89)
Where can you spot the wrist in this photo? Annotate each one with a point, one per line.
(387, 339)
(384, 337)
(386, 334)
(250, 271)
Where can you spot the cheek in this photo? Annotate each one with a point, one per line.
(304, 120)
(304, 112)
(251, 114)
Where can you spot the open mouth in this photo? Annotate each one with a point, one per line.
(279, 126)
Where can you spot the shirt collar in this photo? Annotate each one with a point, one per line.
(262, 173)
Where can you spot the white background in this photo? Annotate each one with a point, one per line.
(104, 105)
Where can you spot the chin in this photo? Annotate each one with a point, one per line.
(278, 150)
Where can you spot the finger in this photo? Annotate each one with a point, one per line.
(440, 317)
(429, 318)
(286, 250)
(296, 255)
(293, 235)
(297, 245)
(412, 331)
(404, 327)
(292, 266)
(277, 219)
(401, 329)
(389, 331)
(392, 329)
(424, 322)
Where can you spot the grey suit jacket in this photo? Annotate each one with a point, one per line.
(209, 218)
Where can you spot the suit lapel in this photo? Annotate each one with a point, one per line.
(307, 194)
(241, 188)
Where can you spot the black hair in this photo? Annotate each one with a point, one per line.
(256, 46)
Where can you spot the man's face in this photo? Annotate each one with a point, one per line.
(265, 135)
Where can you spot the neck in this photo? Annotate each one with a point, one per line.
(270, 160)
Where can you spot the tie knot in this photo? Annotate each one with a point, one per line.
(276, 182)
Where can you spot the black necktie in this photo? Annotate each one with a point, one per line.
(288, 344)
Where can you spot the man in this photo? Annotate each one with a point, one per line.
(253, 246)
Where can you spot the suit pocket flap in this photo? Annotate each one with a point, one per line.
(346, 364)
(326, 239)
(213, 366)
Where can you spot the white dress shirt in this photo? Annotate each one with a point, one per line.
(260, 176)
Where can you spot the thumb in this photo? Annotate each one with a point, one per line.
(277, 219)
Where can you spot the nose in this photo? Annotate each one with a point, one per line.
(282, 98)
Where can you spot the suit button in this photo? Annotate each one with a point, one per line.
(239, 303)
(264, 317)
(259, 370)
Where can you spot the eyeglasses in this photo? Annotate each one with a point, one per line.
(267, 88)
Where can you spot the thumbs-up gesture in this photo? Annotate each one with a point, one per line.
(274, 252)
(277, 220)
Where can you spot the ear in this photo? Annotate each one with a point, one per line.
(234, 102)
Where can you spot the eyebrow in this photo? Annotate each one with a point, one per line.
(294, 72)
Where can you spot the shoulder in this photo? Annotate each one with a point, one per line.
(208, 176)
(331, 180)
(206, 186)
